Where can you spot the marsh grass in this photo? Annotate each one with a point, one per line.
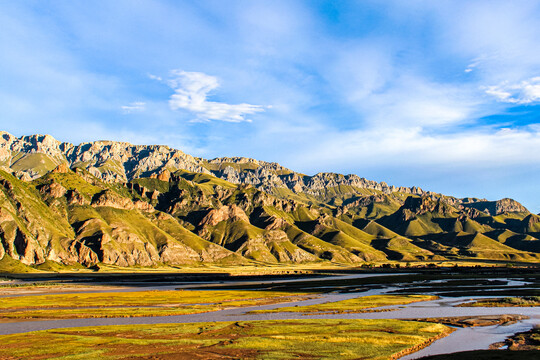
(524, 301)
(31, 285)
(140, 303)
(360, 304)
(314, 339)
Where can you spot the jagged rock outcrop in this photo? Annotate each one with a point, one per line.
(110, 199)
(497, 207)
(120, 162)
(229, 212)
(53, 189)
(423, 204)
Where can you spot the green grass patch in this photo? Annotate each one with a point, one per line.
(523, 301)
(38, 162)
(9, 265)
(320, 339)
(70, 181)
(356, 305)
(132, 304)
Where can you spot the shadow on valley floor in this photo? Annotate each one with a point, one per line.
(463, 281)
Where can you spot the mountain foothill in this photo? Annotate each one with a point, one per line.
(118, 204)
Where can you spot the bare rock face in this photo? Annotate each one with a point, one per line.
(256, 249)
(472, 212)
(425, 204)
(367, 200)
(120, 162)
(275, 223)
(216, 216)
(131, 161)
(176, 253)
(111, 199)
(143, 206)
(419, 205)
(108, 160)
(361, 202)
(73, 252)
(74, 197)
(496, 207)
(531, 223)
(266, 176)
(20, 245)
(154, 195)
(283, 250)
(44, 144)
(164, 176)
(26, 175)
(62, 169)
(407, 215)
(508, 205)
(53, 189)
(124, 248)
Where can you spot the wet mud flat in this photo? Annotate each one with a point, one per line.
(527, 340)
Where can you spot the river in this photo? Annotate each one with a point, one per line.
(462, 339)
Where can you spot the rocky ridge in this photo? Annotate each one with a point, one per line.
(116, 204)
(121, 162)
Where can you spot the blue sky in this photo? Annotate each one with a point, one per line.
(444, 95)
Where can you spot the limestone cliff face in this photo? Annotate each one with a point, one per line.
(30, 157)
(109, 160)
(120, 162)
(268, 176)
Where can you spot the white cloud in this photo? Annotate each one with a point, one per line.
(133, 107)
(496, 35)
(191, 92)
(155, 77)
(396, 148)
(525, 92)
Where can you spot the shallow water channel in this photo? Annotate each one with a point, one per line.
(341, 288)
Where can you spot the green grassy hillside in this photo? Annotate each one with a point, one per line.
(69, 218)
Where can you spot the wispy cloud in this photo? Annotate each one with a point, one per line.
(191, 90)
(155, 77)
(525, 92)
(387, 89)
(412, 147)
(133, 107)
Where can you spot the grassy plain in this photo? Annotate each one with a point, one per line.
(131, 304)
(356, 305)
(309, 339)
(305, 338)
(10, 288)
(523, 301)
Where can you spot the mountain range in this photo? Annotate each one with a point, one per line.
(118, 204)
